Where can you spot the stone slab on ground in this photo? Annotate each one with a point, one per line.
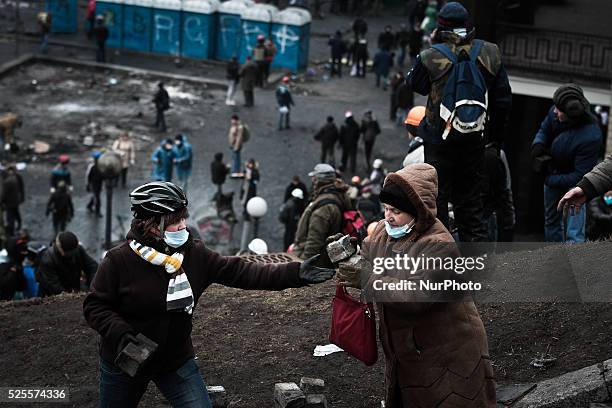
(312, 385)
(576, 389)
(217, 395)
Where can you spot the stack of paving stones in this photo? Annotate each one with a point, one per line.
(309, 394)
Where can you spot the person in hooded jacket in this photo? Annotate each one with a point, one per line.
(434, 342)
(124, 147)
(151, 285)
(183, 160)
(323, 216)
(370, 129)
(383, 61)
(163, 161)
(568, 143)
(232, 74)
(349, 140)
(62, 265)
(337, 47)
(284, 102)
(328, 135)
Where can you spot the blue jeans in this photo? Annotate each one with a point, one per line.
(235, 160)
(283, 120)
(553, 219)
(182, 388)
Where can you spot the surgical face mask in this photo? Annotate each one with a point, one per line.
(176, 238)
(399, 232)
(608, 200)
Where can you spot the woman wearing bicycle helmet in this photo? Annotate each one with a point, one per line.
(146, 289)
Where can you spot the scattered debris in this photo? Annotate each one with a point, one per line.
(321, 351)
(545, 361)
(40, 147)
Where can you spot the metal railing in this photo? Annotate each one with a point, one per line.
(556, 53)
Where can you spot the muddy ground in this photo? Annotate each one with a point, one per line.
(249, 340)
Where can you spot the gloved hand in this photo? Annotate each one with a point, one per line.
(124, 340)
(538, 150)
(350, 277)
(313, 274)
(333, 238)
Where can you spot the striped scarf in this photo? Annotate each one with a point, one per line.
(179, 294)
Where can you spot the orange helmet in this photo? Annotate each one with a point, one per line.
(415, 115)
(64, 158)
(356, 180)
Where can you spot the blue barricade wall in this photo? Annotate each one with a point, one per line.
(166, 31)
(113, 18)
(228, 36)
(289, 47)
(198, 35)
(137, 22)
(63, 15)
(250, 31)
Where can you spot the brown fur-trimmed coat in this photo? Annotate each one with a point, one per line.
(436, 353)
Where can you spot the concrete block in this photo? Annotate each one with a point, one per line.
(288, 395)
(341, 249)
(576, 389)
(312, 385)
(217, 395)
(316, 401)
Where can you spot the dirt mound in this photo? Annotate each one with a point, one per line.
(249, 340)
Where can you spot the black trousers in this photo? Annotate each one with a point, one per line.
(349, 154)
(13, 220)
(369, 146)
(249, 98)
(160, 120)
(460, 167)
(336, 68)
(327, 151)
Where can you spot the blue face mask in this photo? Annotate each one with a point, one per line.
(177, 238)
(608, 200)
(398, 232)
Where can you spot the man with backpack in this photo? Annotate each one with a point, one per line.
(324, 216)
(469, 101)
(238, 135)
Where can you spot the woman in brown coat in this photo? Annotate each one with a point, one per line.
(436, 350)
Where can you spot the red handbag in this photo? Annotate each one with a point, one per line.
(353, 327)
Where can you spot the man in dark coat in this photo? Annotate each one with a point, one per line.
(162, 104)
(328, 135)
(295, 183)
(94, 184)
(349, 138)
(404, 101)
(338, 49)
(459, 159)
(11, 198)
(290, 214)
(219, 172)
(60, 206)
(248, 79)
(402, 39)
(101, 34)
(386, 39)
(370, 129)
(360, 55)
(383, 61)
(62, 264)
(569, 142)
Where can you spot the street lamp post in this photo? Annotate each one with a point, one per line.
(110, 167)
(256, 207)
